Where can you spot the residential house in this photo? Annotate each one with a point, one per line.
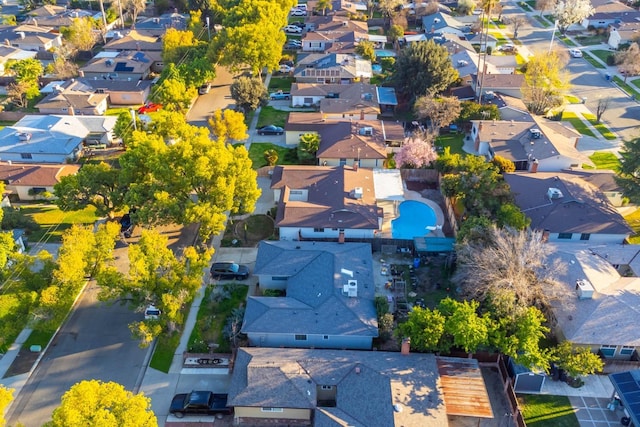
(30, 181)
(610, 13)
(625, 258)
(567, 208)
(502, 64)
(322, 202)
(331, 68)
(10, 53)
(130, 65)
(539, 145)
(510, 108)
(63, 18)
(74, 97)
(333, 34)
(336, 101)
(599, 307)
(478, 39)
(331, 388)
(453, 43)
(339, 8)
(463, 93)
(121, 92)
(51, 138)
(30, 38)
(158, 25)
(440, 23)
(134, 40)
(46, 10)
(508, 84)
(329, 300)
(623, 33)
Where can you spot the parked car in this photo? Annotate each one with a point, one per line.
(575, 53)
(298, 12)
(285, 69)
(271, 130)
(299, 24)
(279, 95)
(292, 29)
(204, 89)
(152, 313)
(507, 48)
(199, 402)
(293, 45)
(126, 225)
(149, 107)
(229, 270)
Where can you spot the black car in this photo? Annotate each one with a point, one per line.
(229, 270)
(126, 226)
(199, 402)
(271, 130)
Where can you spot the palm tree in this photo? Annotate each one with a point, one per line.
(323, 5)
(487, 7)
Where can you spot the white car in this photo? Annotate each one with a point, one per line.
(285, 69)
(292, 29)
(575, 53)
(298, 12)
(151, 313)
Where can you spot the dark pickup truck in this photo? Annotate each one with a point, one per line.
(199, 402)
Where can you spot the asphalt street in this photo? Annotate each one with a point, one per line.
(218, 98)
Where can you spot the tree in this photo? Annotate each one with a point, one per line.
(577, 361)
(389, 8)
(441, 111)
(545, 82)
(18, 93)
(6, 396)
(425, 328)
(103, 403)
(509, 215)
(504, 164)
(516, 22)
(520, 338)
(80, 34)
(432, 7)
(125, 126)
(174, 95)
(308, 145)
(62, 68)
(134, 7)
(469, 330)
(271, 156)
(395, 33)
(95, 185)
(323, 5)
(424, 68)
(249, 93)
(628, 177)
(366, 49)
(471, 110)
(602, 107)
(228, 125)
(176, 43)
(507, 270)
(27, 73)
(417, 152)
(474, 228)
(568, 12)
(543, 5)
(466, 7)
(629, 61)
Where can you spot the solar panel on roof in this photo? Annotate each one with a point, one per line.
(122, 66)
(139, 56)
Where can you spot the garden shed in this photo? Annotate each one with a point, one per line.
(525, 380)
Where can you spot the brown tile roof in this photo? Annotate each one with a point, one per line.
(345, 140)
(503, 81)
(352, 98)
(329, 203)
(34, 175)
(135, 40)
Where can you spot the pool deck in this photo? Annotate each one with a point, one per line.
(414, 195)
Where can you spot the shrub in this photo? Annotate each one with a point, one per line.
(505, 165)
(489, 50)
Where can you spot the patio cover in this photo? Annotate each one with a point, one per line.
(388, 184)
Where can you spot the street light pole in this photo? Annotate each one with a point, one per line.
(553, 34)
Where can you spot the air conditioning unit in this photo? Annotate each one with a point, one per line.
(554, 193)
(367, 131)
(351, 288)
(357, 193)
(585, 289)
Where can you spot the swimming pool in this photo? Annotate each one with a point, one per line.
(413, 220)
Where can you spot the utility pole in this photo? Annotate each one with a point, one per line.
(553, 34)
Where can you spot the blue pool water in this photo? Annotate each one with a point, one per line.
(413, 220)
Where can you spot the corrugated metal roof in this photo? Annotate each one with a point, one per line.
(463, 387)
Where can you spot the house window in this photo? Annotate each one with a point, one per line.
(301, 337)
(320, 80)
(565, 236)
(308, 101)
(326, 337)
(318, 230)
(296, 192)
(608, 350)
(585, 236)
(38, 190)
(279, 278)
(626, 350)
(343, 162)
(26, 156)
(272, 409)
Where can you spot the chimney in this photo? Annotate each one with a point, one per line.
(545, 236)
(406, 346)
(355, 166)
(357, 369)
(72, 111)
(341, 237)
(80, 73)
(479, 127)
(34, 21)
(533, 166)
(361, 114)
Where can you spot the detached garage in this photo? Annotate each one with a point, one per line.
(525, 381)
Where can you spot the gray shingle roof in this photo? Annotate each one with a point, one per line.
(315, 303)
(368, 384)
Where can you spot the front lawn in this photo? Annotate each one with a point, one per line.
(54, 222)
(280, 83)
(631, 91)
(542, 21)
(577, 123)
(634, 221)
(271, 116)
(591, 40)
(572, 99)
(541, 410)
(601, 128)
(166, 346)
(566, 40)
(286, 156)
(605, 160)
(593, 61)
(602, 54)
(454, 141)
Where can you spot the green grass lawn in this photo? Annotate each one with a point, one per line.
(572, 99)
(54, 222)
(566, 40)
(541, 410)
(286, 156)
(542, 21)
(590, 59)
(602, 54)
(604, 131)
(634, 221)
(631, 91)
(577, 123)
(271, 116)
(591, 40)
(280, 83)
(165, 349)
(605, 160)
(454, 141)
(635, 82)
(116, 111)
